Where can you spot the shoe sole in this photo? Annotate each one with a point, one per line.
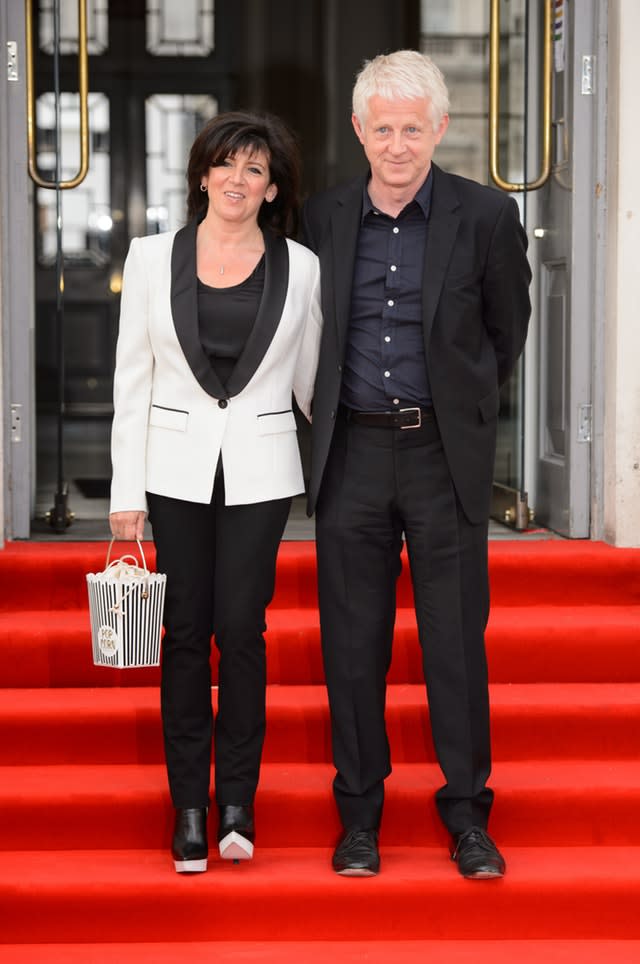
(484, 875)
(190, 866)
(356, 872)
(235, 847)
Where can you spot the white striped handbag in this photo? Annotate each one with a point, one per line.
(125, 607)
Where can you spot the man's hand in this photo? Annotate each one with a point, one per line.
(127, 525)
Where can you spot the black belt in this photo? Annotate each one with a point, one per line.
(404, 418)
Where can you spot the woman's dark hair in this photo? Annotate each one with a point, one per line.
(228, 133)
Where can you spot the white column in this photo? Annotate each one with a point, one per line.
(2, 420)
(621, 509)
(17, 292)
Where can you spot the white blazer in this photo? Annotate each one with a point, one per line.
(173, 418)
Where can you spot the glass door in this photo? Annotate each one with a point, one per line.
(156, 74)
(458, 37)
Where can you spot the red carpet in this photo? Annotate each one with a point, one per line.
(85, 873)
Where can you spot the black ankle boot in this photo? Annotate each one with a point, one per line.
(189, 848)
(236, 833)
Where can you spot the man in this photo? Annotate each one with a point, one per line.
(425, 301)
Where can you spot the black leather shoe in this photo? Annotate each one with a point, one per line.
(236, 833)
(477, 856)
(357, 854)
(189, 848)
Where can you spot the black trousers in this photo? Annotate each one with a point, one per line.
(379, 484)
(220, 563)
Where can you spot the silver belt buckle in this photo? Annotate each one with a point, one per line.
(419, 422)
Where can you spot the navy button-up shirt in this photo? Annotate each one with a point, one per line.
(385, 363)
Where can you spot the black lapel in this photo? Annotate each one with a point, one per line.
(443, 228)
(276, 284)
(184, 308)
(345, 226)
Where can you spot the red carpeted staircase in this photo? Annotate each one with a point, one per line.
(85, 817)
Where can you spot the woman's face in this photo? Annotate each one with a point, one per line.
(238, 186)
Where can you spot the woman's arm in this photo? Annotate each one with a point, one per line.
(131, 390)
(305, 373)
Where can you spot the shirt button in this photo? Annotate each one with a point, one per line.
(387, 338)
(223, 403)
(339, 368)
(396, 401)
(396, 230)
(387, 374)
(391, 302)
(393, 267)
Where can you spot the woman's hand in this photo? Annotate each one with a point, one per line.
(127, 525)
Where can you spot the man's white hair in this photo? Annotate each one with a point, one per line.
(401, 75)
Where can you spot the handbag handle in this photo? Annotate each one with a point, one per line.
(144, 561)
(117, 608)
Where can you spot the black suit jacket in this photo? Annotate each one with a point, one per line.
(475, 314)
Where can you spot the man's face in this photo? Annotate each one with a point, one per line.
(399, 140)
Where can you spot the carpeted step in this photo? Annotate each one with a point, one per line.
(535, 643)
(339, 952)
(52, 576)
(538, 803)
(553, 721)
(86, 815)
(291, 894)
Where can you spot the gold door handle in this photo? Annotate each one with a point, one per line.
(494, 102)
(83, 88)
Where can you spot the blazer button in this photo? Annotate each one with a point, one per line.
(223, 403)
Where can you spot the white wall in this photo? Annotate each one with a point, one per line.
(2, 420)
(3, 292)
(17, 288)
(621, 509)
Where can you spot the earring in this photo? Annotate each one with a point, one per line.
(203, 188)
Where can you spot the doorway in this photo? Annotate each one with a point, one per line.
(159, 68)
(158, 71)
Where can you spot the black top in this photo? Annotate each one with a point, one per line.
(226, 317)
(385, 365)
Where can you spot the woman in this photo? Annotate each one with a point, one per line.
(220, 321)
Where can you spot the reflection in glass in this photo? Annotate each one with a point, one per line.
(180, 29)
(86, 210)
(456, 35)
(172, 122)
(97, 26)
(554, 349)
